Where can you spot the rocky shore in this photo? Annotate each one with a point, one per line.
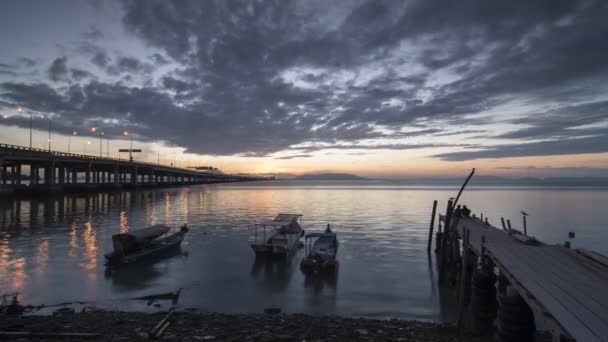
(190, 325)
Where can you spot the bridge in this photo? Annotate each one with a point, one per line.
(54, 171)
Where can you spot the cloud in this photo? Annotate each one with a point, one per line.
(295, 156)
(93, 33)
(256, 78)
(158, 59)
(101, 59)
(26, 62)
(596, 144)
(128, 65)
(58, 71)
(79, 74)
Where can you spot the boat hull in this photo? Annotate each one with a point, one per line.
(274, 251)
(161, 246)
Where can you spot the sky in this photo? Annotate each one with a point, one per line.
(392, 89)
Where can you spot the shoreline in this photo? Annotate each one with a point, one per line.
(191, 325)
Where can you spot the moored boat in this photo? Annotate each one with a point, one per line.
(141, 243)
(321, 251)
(283, 239)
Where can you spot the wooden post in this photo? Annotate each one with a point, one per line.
(525, 226)
(481, 217)
(444, 238)
(463, 277)
(428, 248)
(509, 225)
(502, 220)
(462, 187)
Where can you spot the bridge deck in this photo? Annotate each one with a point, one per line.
(568, 290)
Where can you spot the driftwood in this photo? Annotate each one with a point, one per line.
(174, 296)
(162, 325)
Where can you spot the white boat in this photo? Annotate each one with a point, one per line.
(278, 237)
(321, 251)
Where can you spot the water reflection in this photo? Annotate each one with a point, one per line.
(51, 248)
(272, 274)
(142, 274)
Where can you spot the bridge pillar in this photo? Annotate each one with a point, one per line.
(52, 173)
(47, 175)
(61, 179)
(134, 175)
(4, 175)
(87, 176)
(18, 174)
(103, 176)
(115, 174)
(74, 176)
(32, 174)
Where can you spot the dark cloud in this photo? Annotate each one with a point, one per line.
(295, 156)
(101, 59)
(255, 78)
(58, 71)
(128, 65)
(79, 74)
(596, 144)
(175, 84)
(399, 147)
(93, 33)
(158, 59)
(26, 62)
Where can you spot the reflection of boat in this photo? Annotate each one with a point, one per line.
(142, 243)
(284, 239)
(321, 250)
(140, 277)
(272, 274)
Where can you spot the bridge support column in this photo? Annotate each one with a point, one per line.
(32, 175)
(87, 176)
(53, 173)
(61, 179)
(134, 175)
(103, 176)
(4, 175)
(74, 176)
(18, 174)
(115, 174)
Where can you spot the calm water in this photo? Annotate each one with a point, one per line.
(51, 249)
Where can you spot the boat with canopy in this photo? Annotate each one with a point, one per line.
(321, 251)
(283, 238)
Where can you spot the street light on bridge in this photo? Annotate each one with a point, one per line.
(94, 129)
(126, 133)
(69, 138)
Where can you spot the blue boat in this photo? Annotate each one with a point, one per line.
(321, 251)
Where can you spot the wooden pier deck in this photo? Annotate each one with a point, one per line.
(568, 290)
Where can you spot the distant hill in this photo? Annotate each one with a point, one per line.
(330, 176)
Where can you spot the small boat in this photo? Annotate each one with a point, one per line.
(284, 238)
(141, 243)
(321, 250)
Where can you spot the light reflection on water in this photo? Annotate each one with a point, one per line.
(51, 249)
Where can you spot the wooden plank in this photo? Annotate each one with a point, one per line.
(589, 294)
(576, 299)
(544, 293)
(569, 288)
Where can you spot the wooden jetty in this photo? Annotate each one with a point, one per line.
(69, 171)
(566, 288)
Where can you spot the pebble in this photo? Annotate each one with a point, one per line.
(191, 327)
